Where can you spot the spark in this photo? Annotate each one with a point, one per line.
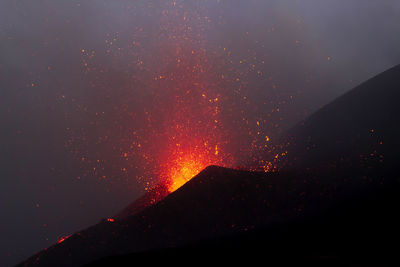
(62, 239)
(183, 106)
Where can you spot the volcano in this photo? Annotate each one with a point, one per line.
(334, 200)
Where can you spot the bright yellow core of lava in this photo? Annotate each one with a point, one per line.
(183, 172)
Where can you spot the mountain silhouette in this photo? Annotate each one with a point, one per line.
(334, 202)
(360, 126)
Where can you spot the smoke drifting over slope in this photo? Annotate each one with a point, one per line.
(101, 99)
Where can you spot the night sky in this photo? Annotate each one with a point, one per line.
(101, 100)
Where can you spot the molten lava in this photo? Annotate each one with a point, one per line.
(183, 171)
(62, 239)
(184, 160)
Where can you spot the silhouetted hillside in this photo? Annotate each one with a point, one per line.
(361, 230)
(335, 203)
(360, 127)
(216, 202)
(220, 203)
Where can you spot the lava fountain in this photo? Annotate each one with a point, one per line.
(183, 169)
(173, 102)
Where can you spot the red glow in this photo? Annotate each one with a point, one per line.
(181, 107)
(62, 239)
(110, 220)
(185, 166)
(183, 172)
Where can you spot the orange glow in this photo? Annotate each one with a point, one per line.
(183, 171)
(110, 220)
(62, 239)
(185, 107)
(185, 167)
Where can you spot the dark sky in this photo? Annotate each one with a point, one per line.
(93, 94)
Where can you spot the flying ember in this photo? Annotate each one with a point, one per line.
(62, 239)
(173, 102)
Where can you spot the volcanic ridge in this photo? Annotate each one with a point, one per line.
(334, 200)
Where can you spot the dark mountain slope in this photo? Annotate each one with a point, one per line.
(360, 127)
(358, 231)
(218, 202)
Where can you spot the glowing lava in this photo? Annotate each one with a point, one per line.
(62, 239)
(186, 161)
(183, 171)
(181, 106)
